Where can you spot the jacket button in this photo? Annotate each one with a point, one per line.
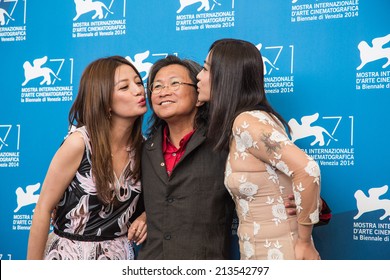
(167, 237)
(162, 164)
(170, 200)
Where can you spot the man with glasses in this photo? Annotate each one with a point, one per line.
(189, 211)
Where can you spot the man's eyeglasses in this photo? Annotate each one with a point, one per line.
(156, 88)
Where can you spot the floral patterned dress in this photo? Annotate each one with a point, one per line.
(86, 229)
(262, 169)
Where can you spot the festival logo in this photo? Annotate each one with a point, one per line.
(99, 9)
(373, 202)
(204, 14)
(4, 130)
(371, 206)
(2, 142)
(142, 66)
(99, 18)
(9, 145)
(35, 70)
(278, 68)
(375, 52)
(40, 80)
(143, 61)
(12, 20)
(305, 129)
(319, 133)
(372, 72)
(5, 17)
(26, 197)
(267, 62)
(204, 4)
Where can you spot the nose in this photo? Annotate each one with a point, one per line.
(164, 91)
(139, 91)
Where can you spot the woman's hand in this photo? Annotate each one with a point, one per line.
(305, 250)
(138, 230)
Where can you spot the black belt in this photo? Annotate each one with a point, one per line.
(77, 237)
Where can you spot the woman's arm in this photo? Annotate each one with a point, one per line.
(61, 171)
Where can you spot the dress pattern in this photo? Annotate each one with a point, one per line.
(86, 229)
(262, 169)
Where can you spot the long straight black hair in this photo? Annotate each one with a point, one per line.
(237, 85)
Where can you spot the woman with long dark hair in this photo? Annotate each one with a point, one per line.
(263, 167)
(93, 181)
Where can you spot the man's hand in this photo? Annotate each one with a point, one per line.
(291, 206)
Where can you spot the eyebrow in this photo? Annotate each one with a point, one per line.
(123, 80)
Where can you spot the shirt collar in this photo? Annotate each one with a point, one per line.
(167, 143)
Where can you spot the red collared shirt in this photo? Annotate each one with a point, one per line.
(172, 155)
